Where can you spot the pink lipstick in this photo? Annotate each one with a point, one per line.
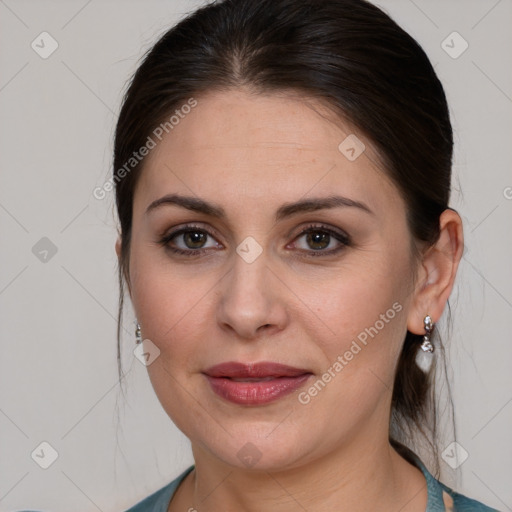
(255, 384)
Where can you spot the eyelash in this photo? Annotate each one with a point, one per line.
(343, 239)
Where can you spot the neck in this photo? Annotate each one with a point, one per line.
(358, 478)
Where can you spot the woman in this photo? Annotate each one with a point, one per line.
(282, 172)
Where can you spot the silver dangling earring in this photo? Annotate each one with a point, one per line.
(426, 344)
(138, 334)
(425, 357)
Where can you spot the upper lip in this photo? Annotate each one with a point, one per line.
(236, 370)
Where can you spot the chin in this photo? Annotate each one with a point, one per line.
(258, 452)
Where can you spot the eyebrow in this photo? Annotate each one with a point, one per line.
(198, 205)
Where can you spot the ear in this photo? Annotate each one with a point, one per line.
(437, 273)
(118, 252)
(118, 247)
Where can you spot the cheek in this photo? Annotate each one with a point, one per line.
(160, 294)
(171, 304)
(362, 312)
(173, 310)
(366, 325)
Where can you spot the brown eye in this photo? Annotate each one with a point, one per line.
(318, 240)
(321, 241)
(189, 241)
(194, 239)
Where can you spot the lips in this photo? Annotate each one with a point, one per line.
(257, 371)
(255, 384)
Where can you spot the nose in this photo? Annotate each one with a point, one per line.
(251, 300)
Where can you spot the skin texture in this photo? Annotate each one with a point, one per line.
(251, 153)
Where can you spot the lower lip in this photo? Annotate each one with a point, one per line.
(256, 392)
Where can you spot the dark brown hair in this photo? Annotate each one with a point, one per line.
(353, 57)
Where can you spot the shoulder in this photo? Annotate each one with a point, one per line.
(159, 500)
(156, 502)
(442, 498)
(453, 501)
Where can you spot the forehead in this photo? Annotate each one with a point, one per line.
(236, 145)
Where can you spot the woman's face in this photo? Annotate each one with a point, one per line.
(253, 285)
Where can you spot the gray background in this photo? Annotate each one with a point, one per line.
(58, 376)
